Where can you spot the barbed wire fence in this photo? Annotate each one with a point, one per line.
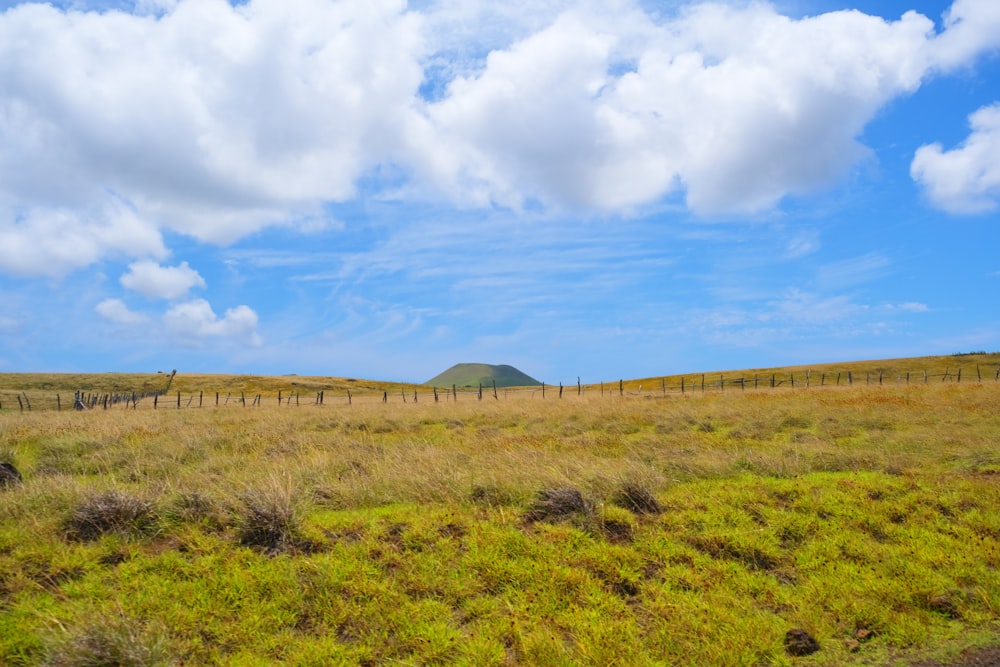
(164, 398)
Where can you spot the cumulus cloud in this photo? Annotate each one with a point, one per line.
(965, 179)
(53, 241)
(115, 310)
(193, 321)
(971, 27)
(213, 120)
(161, 282)
(217, 119)
(735, 106)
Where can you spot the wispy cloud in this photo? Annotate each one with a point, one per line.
(853, 271)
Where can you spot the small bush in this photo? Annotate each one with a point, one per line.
(110, 641)
(556, 504)
(110, 512)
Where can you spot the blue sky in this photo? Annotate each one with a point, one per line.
(578, 188)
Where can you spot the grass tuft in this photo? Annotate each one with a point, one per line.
(637, 499)
(9, 475)
(270, 517)
(110, 512)
(116, 641)
(557, 504)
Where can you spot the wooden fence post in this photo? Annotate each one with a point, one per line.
(58, 404)
(435, 394)
(454, 392)
(543, 390)
(19, 403)
(495, 397)
(155, 400)
(621, 387)
(178, 400)
(560, 389)
(480, 391)
(579, 387)
(682, 385)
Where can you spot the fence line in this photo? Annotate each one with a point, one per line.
(678, 385)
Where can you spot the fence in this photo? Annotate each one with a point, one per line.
(671, 385)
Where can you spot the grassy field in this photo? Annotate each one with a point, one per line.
(635, 529)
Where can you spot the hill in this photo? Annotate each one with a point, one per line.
(472, 375)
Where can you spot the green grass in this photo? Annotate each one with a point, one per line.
(710, 525)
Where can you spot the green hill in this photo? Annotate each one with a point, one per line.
(472, 375)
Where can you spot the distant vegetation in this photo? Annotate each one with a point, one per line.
(473, 375)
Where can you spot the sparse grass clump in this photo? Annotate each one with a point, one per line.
(111, 641)
(270, 518)
(557, 504)
(638, 499)
(98, 513)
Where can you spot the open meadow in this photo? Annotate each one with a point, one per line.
(610, 526)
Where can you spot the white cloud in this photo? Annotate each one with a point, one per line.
(216, 119)
(965, 179)
(54, 241)
(192, 321)
(161, 282)
(912, 307)
(971, 27)
(116, 311)
(739, 106)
